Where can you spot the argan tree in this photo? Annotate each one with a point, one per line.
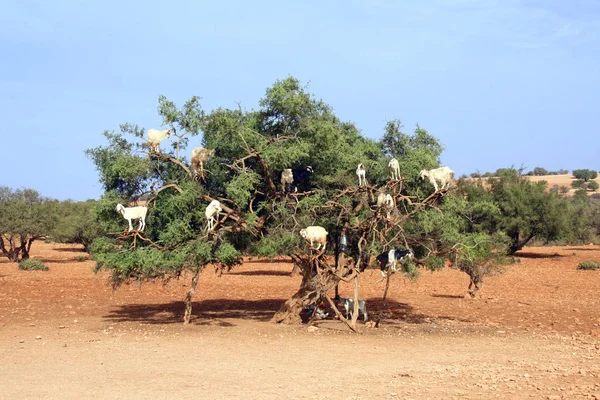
(291, 129)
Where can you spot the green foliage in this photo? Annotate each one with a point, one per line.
(76, 223)
(588, 265)
(33, 264)
(80, 258)
(585, 174)
(578, 184)
(593, 185)
(413, 152)
(121, 169)
(527, 210)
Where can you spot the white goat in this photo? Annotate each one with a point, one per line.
(214, 208)
(199, 157)
(380, 199)
(130, 213)
(287, 177)
(155, 136)
(394, 169)
(315, 234)
(389, 204)
(361, 173)
(444, 175)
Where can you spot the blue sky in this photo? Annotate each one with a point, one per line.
(500, 83)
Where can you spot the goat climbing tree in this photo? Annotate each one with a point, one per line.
(291, 129)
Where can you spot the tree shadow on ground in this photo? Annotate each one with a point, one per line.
(69, 249)
(448, 296)
(260, 273)
(525, 254)
(213, 312)
(267, 261)
(61, 261)
(583, 249)
(204, 312)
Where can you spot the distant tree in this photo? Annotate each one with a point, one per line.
(585, 174)
(475, 175)
(539, 171)
(76, 223)
(527, 210)
(563, 171)
(578, 184)
(593, 185)
(25, 216)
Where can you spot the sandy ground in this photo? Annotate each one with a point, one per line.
(532, 333)
(561, 180)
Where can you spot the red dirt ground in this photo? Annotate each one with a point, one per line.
(532, 333)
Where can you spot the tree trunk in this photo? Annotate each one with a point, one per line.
(355, 311)
(518, 245)
(25, 249)
(289, 313)
(313, 287)
(187, 316)
(387, 286)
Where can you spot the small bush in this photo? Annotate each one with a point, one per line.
(33, 264)
(81, 258)
(593, 185)
(578, 183)
(555, 189)
(564, 189)
(588, 265)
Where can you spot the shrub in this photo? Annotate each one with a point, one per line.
(593, 185)
(555, 188)
(588, 265)
(578, 183)
(564, 189)
(33, 264)
(81, 258)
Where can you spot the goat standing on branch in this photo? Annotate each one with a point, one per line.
(361, 173)
(154, 138)
(302, 178)
(130, 213)
(388, 205)
(214, 208)
(394, 169)
(388, 260)
(199, 157)
(315, 234)
(287, 177)
(444, 175)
